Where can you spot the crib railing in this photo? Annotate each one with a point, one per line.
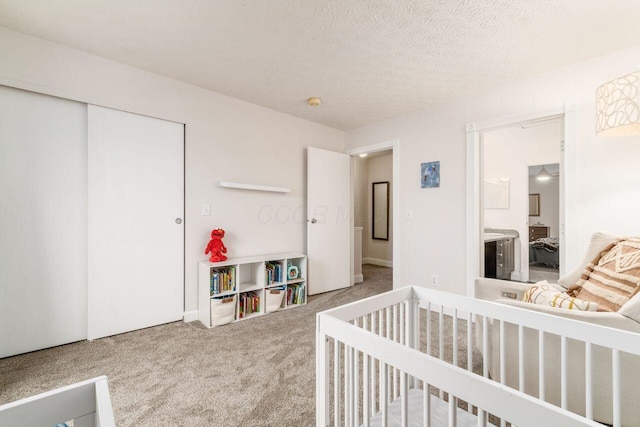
(86, 403)
(385, 361)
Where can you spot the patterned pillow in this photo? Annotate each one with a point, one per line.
(613, 278)
(544, 294)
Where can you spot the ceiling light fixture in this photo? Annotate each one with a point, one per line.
(363, 154)
(543, 175)
(314, 102)
(618, 106)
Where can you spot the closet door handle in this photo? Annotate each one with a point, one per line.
(313, 221)
(178, 220)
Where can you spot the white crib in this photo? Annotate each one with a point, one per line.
(374, 358)
(86, 403)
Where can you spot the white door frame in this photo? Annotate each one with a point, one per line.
(394, 145)
(474, 246)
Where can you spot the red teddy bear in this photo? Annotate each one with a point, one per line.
(216, 247)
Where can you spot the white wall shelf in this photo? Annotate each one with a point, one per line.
(251, 279)
(254, 187)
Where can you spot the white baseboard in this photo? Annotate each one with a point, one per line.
(378, 261)
(358, 278)
(190, 316)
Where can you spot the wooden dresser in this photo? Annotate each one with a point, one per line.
(538, 231)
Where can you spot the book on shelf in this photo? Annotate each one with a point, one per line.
(223, 280)
(296, 294)
(249, 303)
(273, 272)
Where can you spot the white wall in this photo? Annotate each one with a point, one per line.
(226, 139)
(549, 191)
(360, 195)
(433, 242)
(380, 169)
(508, 153)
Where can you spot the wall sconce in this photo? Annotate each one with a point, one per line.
(618, 106)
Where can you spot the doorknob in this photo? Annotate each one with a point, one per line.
(313, 220)
(178, 220)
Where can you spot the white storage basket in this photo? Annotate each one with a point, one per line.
(274, 299)
(223, 310)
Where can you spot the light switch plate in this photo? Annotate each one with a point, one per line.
(206, 209)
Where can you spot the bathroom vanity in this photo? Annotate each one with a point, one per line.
(499, 253)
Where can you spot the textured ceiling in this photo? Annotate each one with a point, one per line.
(368, 60)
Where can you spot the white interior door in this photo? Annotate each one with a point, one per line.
(136, 234)
(43, 221)
(329, 220)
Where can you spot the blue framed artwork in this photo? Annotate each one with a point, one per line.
(430, 174)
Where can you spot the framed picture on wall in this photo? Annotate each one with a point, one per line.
(430, 174)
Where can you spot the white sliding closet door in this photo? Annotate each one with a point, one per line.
(43, 221)
(136, 205)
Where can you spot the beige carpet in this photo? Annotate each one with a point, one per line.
(259, 372)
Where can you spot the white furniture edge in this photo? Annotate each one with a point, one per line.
(87, 403)
(241, 186)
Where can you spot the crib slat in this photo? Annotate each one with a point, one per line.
(384, 386)
(322, 379)
(429, 332)
(381, 372)
(441, 332)
(503, 355)
(404, 400)
(396, 337)
(469, 343)
(455, 337)
(347, 386)
(336, 383)
(389, 337)
(617, 392)
(541, 385)
(365, 379)
(412, 331)
(482, 420)
(588, 380)
(563, 372)
(521, 358)
(503, 368)
(372, 394)
(441, 338)
(453, 418)
(356, 386)
(453, 401)
(469, 352)
(485, 347)
(426, 405)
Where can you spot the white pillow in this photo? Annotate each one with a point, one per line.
(599, 241)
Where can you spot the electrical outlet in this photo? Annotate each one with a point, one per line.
(434, 280)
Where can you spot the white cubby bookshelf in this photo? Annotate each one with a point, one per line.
(253, 279)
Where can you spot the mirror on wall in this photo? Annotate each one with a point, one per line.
(534, 204)
(380, 211)
(496, 193)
